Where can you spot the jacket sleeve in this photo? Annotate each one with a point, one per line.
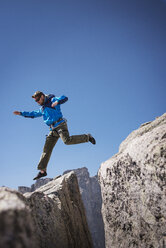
(32, 114)
(60, 100)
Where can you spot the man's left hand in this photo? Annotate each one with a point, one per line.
(54, 104)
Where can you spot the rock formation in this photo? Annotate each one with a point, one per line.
(91, 196)
(52, 216)
(16, 224)
(36, 185)
(133, 184)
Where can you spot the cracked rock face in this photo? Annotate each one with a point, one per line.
(133, 185)
(58, 214)
(52, 216)
(91, 196)
(16, 225)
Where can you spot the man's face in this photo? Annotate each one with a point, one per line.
(40, 99)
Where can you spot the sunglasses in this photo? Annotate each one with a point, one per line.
(37, 99)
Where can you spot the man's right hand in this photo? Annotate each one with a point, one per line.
(17, 113)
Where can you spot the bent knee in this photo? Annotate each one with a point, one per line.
(66, 141)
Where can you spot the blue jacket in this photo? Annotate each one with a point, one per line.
(50, 115)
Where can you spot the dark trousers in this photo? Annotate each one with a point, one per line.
(60, 132)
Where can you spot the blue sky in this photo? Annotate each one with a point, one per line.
(107, 56)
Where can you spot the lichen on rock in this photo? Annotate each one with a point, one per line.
(133, 185)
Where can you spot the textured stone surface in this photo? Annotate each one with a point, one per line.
(16, 225)
(52, 216)
(58, 214)
(91, 196)
(24, 189)
(133, 184)
(36, 185)
(39, 183)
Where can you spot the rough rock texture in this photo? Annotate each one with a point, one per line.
(91, 196)
(24, 189)
(52, 216)
(59, 214)
(16, 225)
(36, 185)
(133, 184)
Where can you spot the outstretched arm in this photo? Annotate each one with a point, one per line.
(31, 114)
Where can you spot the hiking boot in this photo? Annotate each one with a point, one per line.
(39, 175)
(91, 139)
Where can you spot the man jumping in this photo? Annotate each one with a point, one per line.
(52, 115)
